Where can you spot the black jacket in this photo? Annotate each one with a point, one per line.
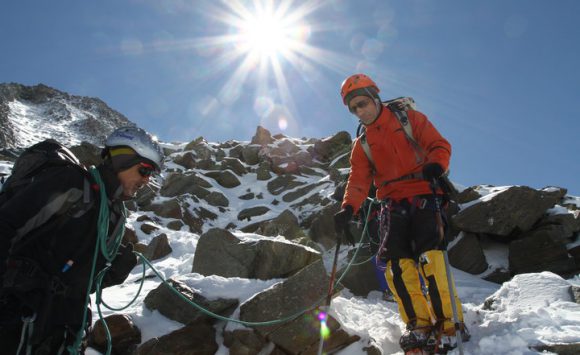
(39, 207)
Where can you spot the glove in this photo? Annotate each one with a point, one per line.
(432, 171)
(341, 221)
(121, 266)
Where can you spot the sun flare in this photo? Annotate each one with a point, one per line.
(262, 42)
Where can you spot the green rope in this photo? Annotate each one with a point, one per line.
(108, 250)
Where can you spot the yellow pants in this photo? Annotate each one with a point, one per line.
(417, 309)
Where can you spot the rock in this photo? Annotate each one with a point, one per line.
(225, 178)
(207, 164)
(124, 334)
(175, 225)
(167, 209)
(297, 293)
(186, 160)
(575, 293)
(296, 194)
(468, 195)
(560, 349)
(174, 307)
(512, 211)
(179, 184)
(322, 226)
(329, 147)
(234, 165)
(87, 153)
(243, 342)
(540, 250)
(250, 154)
(262, 136)
(286, 224)
(283, 183)
(130, 236)
(361, 279)
(263, 171)
(248, 213)
(194, 339)
(216, 198)
(248, 196)
(498, 276)
(148, 228)
(467, 255)
(158, 248)
(263, 259)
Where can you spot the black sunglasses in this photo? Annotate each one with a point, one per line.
(146, 170)
(360, 104)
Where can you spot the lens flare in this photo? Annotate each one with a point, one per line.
(324, 330)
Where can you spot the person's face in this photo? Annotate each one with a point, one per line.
(134, 178)
(364, 108)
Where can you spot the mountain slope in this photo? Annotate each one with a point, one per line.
(29, 114)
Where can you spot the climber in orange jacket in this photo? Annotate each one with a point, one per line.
(401, 169)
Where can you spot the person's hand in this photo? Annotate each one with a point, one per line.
(121, 266)
(432, 171)
(341, 223)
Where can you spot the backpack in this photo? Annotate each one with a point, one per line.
(399, 107)
(33, 161)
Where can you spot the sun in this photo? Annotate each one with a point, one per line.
(269, 31)
(260, 43)
(264, 36)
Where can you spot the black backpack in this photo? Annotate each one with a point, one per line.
(33, 161)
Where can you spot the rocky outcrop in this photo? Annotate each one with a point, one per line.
(262, 259)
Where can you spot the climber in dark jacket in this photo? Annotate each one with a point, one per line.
(48, 235)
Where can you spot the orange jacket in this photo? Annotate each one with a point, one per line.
(394, 157)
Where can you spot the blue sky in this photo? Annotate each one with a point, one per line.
(499, 78)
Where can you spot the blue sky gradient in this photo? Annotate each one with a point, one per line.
(498, 78)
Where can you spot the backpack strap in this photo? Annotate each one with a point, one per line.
(403, 119)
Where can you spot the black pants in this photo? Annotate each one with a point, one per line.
(413, 228)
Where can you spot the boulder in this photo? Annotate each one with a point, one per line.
(250, 154)
(509, 212)
(216, 198)
(193, 339)
(248, 213)
(124, 334)
(329, 147)
(286, 224)
(158, 248)
(466, 254)
(322, 226)
(225, 178)
(176, 308)
(234, 165)
(540, 250)
(262, 136)
(298, 293)
(243, 341)
(263, 171)
(186, 160)
(177, 184)
(283, 183)
(87, 153)
(167, 209)
(263, 259)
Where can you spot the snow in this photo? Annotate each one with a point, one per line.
(530, 309)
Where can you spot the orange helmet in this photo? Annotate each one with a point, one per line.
(355, 84)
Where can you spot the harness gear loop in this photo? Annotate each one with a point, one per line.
(384, 226)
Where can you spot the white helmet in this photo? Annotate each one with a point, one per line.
(140, 141)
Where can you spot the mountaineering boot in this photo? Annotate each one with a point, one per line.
(448, 341)
(418, 341)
